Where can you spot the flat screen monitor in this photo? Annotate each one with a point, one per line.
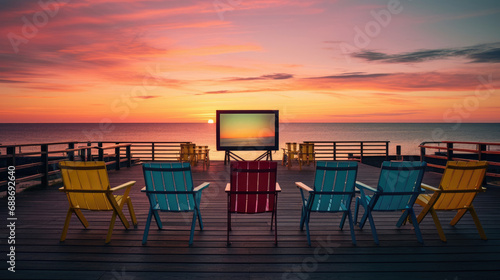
(247, 130)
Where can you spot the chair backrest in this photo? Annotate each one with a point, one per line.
(253, 184)
(334, 185)
(460, 175)
(201, 152)
(170, 184)
(187, 151)
(399, 184)
(310, 150)
(291, 147)
(89, 176)
(303, 151)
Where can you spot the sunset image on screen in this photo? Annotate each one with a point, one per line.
(248, 130)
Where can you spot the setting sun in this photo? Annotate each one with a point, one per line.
(210, 121)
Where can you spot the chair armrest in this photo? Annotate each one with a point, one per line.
(201, 187)
(278, 189)
(126, 185)
(429, 188)
(61, 189)
(364, 186)
(303, 186)
(228, 187)
(143, 189)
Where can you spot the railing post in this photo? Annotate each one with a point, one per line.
(334, 150)
(11, 160)
(71, 154)
(129, 156)
(361, 152)
(89, 152)
(422, 152)
(44, 149)
(117, 157)
(153, 151)
(387, 150)
(480, 149)
(101, 152)
(449, 151)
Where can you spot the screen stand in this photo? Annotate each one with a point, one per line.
(229, 155)
(267, 155)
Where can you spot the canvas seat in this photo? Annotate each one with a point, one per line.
(253, 189)
(332, 192)
(169, 188)
(397, 189)
(460, 184)
(86, 185)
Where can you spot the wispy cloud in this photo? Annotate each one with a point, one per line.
(353, 75)
(484, 53)
(276, 76)
(380, 114)
(243, 91)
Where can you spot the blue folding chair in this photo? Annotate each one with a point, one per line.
(397, 190)
(333, 192)
(169, 187)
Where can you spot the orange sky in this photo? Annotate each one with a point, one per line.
(315, 61)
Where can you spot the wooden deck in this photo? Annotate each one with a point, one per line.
(40, 255)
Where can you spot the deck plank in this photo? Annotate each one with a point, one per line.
(40, 255)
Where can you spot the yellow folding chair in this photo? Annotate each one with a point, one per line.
(306, 154)
(86, 185)
(188, 153)
(460, 184)
(202, 154)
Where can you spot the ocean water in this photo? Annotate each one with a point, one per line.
(407, 135)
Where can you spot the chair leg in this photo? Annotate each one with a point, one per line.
(302, 218)
(146, 228)
(365, 216)
(66, 224)
(306, 221)
(351, 227)
(200, 221)
(372, 226)
(342, 221)
(131, 212)
(156, 214)
(80, 217)
(415, 225)
(275, 225)
(272, 218)
(478, 223)
(193, 225)
(228, 226)
(117, 210)
(356, 210)
(111, 226)
(403, 217)
(457, 217)
(438, 224)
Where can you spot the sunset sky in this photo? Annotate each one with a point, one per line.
(315, 61)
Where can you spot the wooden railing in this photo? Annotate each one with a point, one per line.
(349, 150)
(39, 161)
(462, 151)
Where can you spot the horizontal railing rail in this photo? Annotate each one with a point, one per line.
(39, 161)
(349, 150)
(444, 151)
